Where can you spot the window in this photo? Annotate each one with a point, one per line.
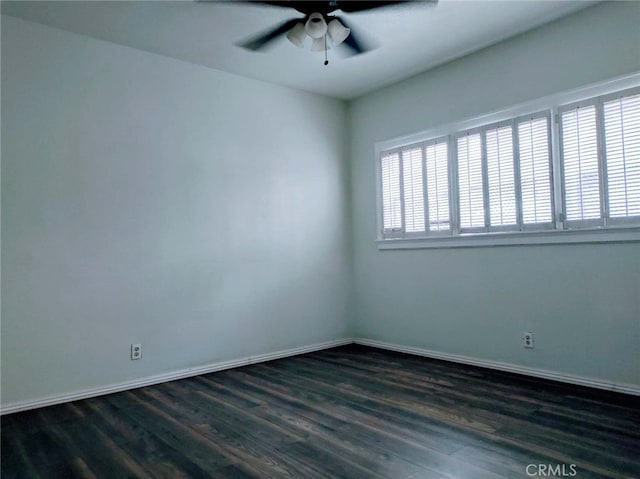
(415, 190)
(436, 159)
(500, 176)
(601, 160)
(503, 177)
(622, 154)
(535, 172)
(391, 193)
(470, 183)
(580, 163)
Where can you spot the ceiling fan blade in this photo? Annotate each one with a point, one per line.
(327, 6)
(302, 6)
(354, 41)
(360, 6)
(261, 40)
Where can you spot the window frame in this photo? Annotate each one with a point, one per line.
(605, 220)
(435, 141)
(516, 174)
(403, 234)
(548, 225)
(604, 99)
(392, 232)
(455, 186)
(519, 225)
(411, 234)
(589, 223)
(558, 230)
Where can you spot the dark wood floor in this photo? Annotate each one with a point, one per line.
(350, 412)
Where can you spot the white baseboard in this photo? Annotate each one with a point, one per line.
(170, 376)
(209, 368)
(513, 368)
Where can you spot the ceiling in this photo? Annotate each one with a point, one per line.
(411, 38)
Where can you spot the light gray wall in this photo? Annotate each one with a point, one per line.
(582, 302)
(150, 200)
(129, 215)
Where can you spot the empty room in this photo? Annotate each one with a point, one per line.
(320, 239)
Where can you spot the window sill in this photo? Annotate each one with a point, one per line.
(599, 235)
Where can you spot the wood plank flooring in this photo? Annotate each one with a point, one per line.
(349, 412)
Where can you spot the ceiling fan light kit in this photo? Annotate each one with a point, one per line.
(319, 24)
(323, 35)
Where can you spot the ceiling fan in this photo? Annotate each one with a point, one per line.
(319, 23)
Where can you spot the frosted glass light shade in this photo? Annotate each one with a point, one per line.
(319, 45)
(297, 35)
(316, 27)
(337, 31)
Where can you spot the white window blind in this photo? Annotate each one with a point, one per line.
(580, 162)
(535, 170)
(413, 190)
(391, 204)
(470, 186)
(436, 158)
(622, 147)
(501, 180)
(566, 166)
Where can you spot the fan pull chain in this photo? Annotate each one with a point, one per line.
(326, 62)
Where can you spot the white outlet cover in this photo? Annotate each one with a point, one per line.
(136, 351)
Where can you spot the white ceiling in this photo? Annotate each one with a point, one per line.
(411, 38)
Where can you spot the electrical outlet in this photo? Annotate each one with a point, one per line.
(136, 351)
(527, 340)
